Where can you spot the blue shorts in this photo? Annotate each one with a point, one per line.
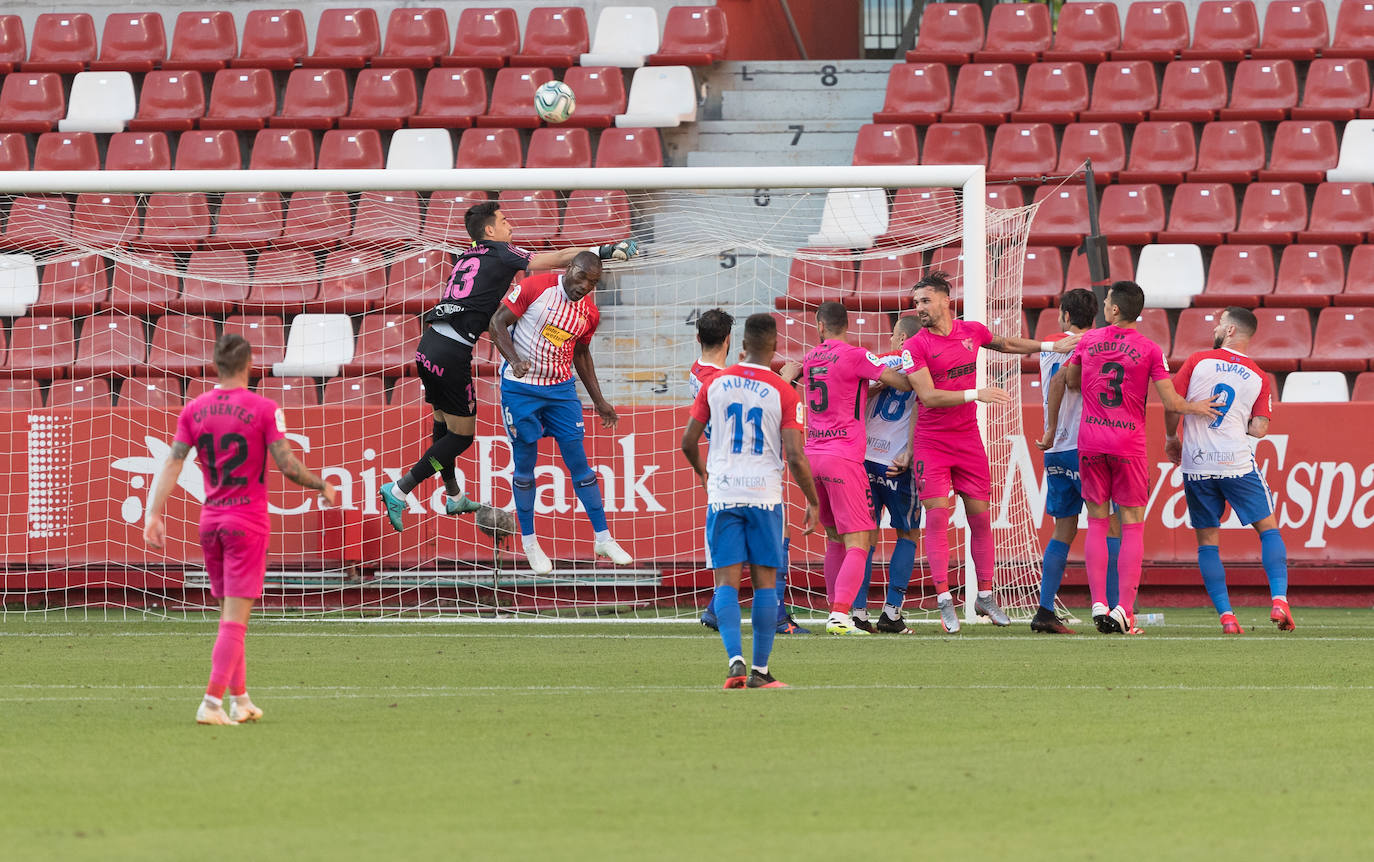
(1208, 495)
(1063, 488)
(896, 494)
(531, 412)
(737, 533)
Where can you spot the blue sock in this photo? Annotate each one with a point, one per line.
(1275, 558)
(1113, 582)
(589, 494)
(861, 597)
(782, 581)
(1052, 568)
(765, 619)
(523, 457)
(726, 604)
(1214, 577)
(899, 570)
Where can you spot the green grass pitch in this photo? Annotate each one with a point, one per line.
(593, 741)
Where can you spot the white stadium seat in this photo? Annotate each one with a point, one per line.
(851, 219)
(18, 284)
(660, 97)
(318, 345)
(1171, 275)
(100, 102)
(625, 36)
(1356, 163)
(1305, 387)
(420, 149)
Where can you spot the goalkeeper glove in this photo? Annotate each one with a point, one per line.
(623, 250)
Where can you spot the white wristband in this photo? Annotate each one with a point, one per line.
(970, 395)
(1047, 346)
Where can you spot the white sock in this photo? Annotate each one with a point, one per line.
(985, 594)
(211, 700)
(242, 698)
(944, 597)
(1279, 599)
(762, 670)
(529, 541)
(735, 658)
(892, 613)
(603, 536)
(860, 614)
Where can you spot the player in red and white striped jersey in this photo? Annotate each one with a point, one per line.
(544, 328)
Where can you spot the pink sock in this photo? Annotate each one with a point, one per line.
(1095, 559)
(238, 680)
(980, 541)
(226, 655)
(1128, 563)
(937, 547)
(834, 558)
(850, 576)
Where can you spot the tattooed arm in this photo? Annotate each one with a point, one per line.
(154, 531)
(297, 472)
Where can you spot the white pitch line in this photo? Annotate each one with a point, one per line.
(1018, 637)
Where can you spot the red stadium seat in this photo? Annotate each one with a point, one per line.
(313, 99)
(453, 98)
(382, 99)
(1156, 32)
(692, 36)
(272, 39)
(886, 145)
(1232, 151)
(916, 93)
(1293, 30)
(415, 282)
(38, 222)
(1309, 276)
(1336, 89)
(31, 102)
(1004, 196)
(72, 287)
(1359, 282)
(43, 347)
(1224, 30)
(444, 215)
(87, 392)
(884, 283)
(1354, 35)
(111, 343)
(1271, 213)
(183, 345)
(1193, 332)
(146, 287)
(152, 393)
(175, 220)
(62, 42)
(922, 217)
(282, 149)
(512, 98)
(410, 392)
(1302, 151)
(1131, 214)
(1017, 33)
(1103, 143)
(1193, 90)
(1123, 92)
(1161, 152)
(367, 391)
(354, 281)
(203, 41)
(559, 148)
(416, 38)
(1154, 325)
(290, 392)
(555, 36)
(813, 278)
(629, 148)
(1363, 389)
(1119, 267)
(1342, 213)
(169, 100)
(594, 217)
(345, 39)
(487, 37)
(248, 220)
(955, 144)
(600, 95)
(985, 93)
(1238, 275)
(265, 333)
(385, 345)
(1263, 90)
(316, 219)
(489, 148)
(1042, 277)
(1022, 150)
(1285, 338)
(1202, 214)
(209, 151)
(284, 279)
(1341, 342)
(949, 34)
(216, 282)
(1086, 33)
(105, 220)
(533, 213)
(241, 99)
(1062, 218)
(1054, 93)
(385, 218)
(66, 151)
(14, 44)
(14, 151)
(138, 151)
(351, 149)
(131, 42)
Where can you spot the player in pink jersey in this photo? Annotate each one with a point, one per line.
(1219, 464)
(836, 375)
(947, 450)
(1113, 368)
(232, 431)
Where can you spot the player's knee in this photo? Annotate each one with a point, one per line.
(523, 483)
(584, 480)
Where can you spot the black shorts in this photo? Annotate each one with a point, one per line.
(445, 368)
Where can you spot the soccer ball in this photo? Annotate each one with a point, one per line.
(554, 102)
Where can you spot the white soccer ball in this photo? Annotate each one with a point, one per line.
(554, 102)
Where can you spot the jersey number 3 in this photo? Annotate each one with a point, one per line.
(1116, 373)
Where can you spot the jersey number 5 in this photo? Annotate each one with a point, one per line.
(816, 387)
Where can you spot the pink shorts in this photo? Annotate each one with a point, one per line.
(845, 496)
(235, 560)
(1120, 479)
(959, 464)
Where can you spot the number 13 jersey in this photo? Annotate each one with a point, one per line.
(747, 407)
(230, 430)
(480, 278)
(1118, 368)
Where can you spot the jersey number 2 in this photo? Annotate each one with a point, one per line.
(738, 417)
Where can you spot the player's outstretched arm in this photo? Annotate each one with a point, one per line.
(924, 387)
(1176, 403)
(586, 370)
(1026, 346)
(895, 379)
(499, 330)
(1054, 400)
(298, 473)
(154, 531)
(691, 448)
(801, 474)
(622, 250)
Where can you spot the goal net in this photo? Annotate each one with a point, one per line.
(115, 285)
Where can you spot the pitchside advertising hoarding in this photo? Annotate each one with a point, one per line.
(78, 482)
